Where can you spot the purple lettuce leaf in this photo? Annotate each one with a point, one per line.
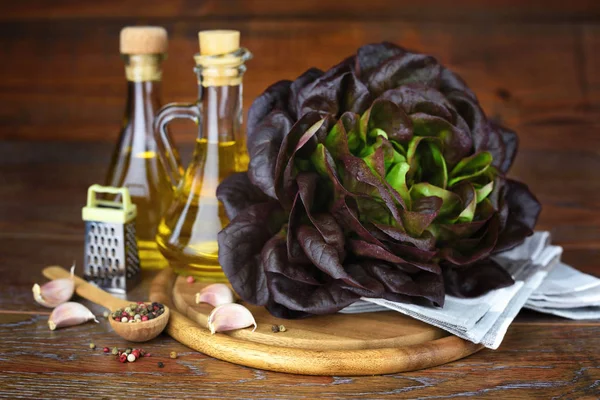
(404, 69)
(237, 193)
(263, 149)
(476, 279)
(240, 246)
(524, 210)
(273, 98)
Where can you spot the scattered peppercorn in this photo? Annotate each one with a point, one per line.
(275, 328)
(161, 365)
(92, 346)
(127, 354)
(190, 279)
(138, 312)
(173, 354)
(282, 328)
(106, 349)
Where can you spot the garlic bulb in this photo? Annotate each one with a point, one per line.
(230, 316)
(216, 294)
(69, 314)
(55, 292)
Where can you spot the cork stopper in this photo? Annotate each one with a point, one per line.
(143, 40)
(218, 42)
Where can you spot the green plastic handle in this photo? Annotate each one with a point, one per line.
(92, 201)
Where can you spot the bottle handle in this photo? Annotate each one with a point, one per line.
(167, 153)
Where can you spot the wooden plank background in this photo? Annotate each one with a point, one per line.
(533, 64)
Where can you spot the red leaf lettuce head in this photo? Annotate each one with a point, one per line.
(381, 177)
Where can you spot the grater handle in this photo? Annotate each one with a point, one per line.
(92, 200)
(86, 290)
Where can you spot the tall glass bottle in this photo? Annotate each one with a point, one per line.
(135, 163)
(187, 235)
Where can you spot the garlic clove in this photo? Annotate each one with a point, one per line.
(228, 317)
(69, 314)
(55, 292)
(216, 294)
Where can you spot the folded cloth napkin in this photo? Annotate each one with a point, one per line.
(568, 293)
(485, 319)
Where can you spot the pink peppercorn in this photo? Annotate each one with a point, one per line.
(123, 358)
(190, 279)
(144, 318)
(136, 353)
(106, 349)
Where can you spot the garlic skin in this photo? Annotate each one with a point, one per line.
(56, 292)
(216, 295)
(228, 317)
(70, 314)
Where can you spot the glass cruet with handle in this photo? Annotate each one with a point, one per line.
(187, 233)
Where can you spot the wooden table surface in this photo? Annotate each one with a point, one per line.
(534, 65)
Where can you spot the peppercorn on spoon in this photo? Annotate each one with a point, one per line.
(133, 332)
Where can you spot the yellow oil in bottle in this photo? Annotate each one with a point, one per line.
(187, 234)
(135, 163)
(140, 171)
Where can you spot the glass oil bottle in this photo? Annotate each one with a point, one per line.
(187, 234)
(135, 163)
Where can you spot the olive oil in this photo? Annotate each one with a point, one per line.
(187, 235)
(188, 232)
(135, 162)
(140, 171)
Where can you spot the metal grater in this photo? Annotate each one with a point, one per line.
(111, 259)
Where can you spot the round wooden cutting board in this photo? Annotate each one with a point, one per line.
(340, 344)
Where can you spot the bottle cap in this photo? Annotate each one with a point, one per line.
(143, 40)
(218, 42)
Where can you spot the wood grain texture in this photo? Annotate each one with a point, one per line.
(267, 351)
(549, 10)
(535, 361)
(534, 77)
(533, 64)
(342, 332)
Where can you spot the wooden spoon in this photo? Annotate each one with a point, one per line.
(134, 332)
(141, 331)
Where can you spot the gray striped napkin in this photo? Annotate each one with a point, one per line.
(542, 283)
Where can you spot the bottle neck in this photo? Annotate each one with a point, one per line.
(143, 67)
(222, 113)
(143, 101)
(220, 91)
(143, 73)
